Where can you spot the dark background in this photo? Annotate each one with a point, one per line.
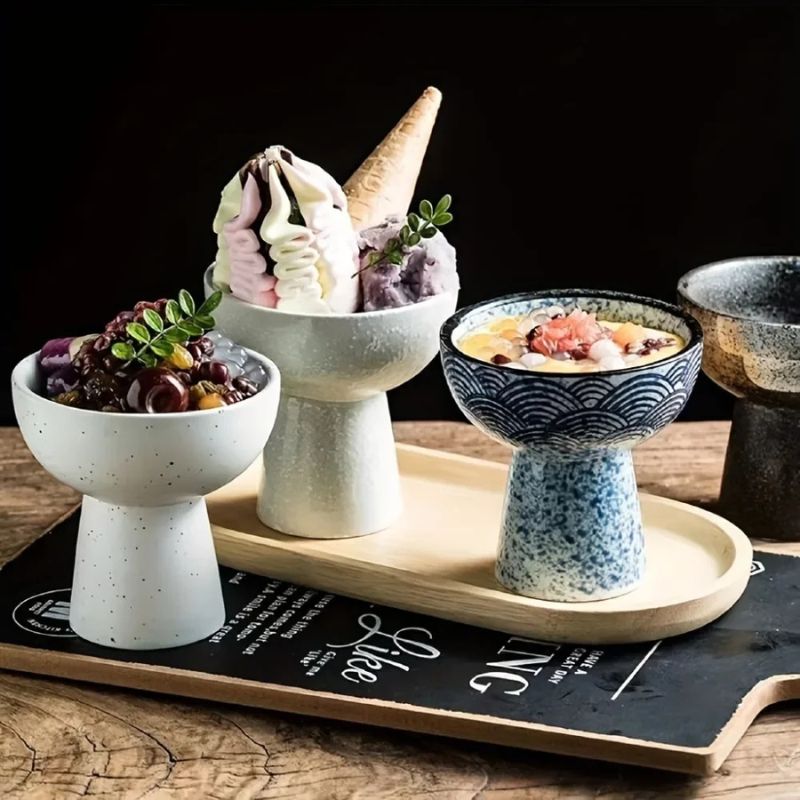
(589, 146)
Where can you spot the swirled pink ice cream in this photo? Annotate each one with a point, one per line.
(284, 237)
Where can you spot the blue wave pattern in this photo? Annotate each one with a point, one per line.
(571, 413)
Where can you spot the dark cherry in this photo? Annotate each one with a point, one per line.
(194, 350)
(245, 385)
(185, 376)
(160, 306)
(214, 371)
(142, 305)
(206, 346)
(157, 390)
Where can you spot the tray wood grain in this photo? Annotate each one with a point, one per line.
(439, 558)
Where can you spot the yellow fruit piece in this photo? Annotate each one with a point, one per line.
(504, 323)
(627, 333)
(473, 343)
(212, 400)
(181, 358)
(512, 334)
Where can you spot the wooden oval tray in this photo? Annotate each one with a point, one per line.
(439, 558)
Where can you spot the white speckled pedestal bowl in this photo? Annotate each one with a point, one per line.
(571, 528)
(330, 464)
(749, 309)
(146, 574)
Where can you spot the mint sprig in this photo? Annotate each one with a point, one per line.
(424, 225)
(157, 337)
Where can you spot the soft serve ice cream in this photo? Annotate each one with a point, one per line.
(284, 237)
(287, 232)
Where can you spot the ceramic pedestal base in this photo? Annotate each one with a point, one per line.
(761, 483)
(330, 469)
(571, 529)
(145, 578)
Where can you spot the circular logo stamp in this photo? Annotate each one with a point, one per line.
(46, 614)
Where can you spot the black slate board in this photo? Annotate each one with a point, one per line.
(671, 704)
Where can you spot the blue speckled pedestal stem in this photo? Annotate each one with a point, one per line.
(572, 528)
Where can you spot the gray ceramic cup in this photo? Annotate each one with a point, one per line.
(749, 309)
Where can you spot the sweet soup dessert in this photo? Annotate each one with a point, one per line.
(554, 339)
(286, 241)
(160, 357)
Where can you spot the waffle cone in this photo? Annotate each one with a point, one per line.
(384, 183)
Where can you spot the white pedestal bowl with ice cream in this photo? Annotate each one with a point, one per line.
(345, 318)
(330, 465)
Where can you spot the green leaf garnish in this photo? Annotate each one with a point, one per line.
(186, 323)
(138, 331)
(162, 348)
(442, 219)
(443, 205)
(210, 304)
(176, 335)
(173, 312)
(424, 225)
(153, 320)
(191, 327)
(204, 320)
(124, 351)
(186, 302)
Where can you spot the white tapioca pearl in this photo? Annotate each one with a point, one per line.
(531, 360)
(214, 336)
(611, 362)
(603, 348)
(554, 311)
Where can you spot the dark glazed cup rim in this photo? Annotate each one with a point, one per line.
(684, 291)
(450, 324)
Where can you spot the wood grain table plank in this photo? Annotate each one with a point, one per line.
(66, 740)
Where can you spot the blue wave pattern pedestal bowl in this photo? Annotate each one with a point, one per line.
(571, 528)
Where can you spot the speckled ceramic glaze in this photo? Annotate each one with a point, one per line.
(146, 574)
(330, 469)
(571, 526)
(749, 309)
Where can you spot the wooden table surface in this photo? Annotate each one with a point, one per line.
(68, 740)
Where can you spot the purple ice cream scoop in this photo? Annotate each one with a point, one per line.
(428, 268)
